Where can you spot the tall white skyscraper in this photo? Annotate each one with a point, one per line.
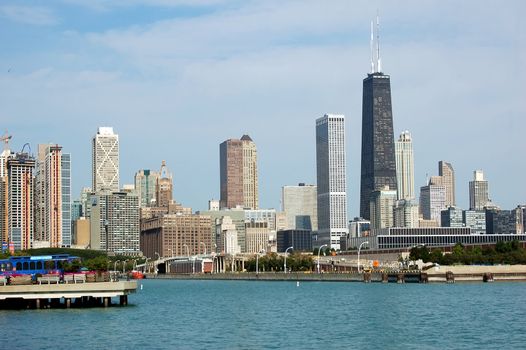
(405, 168)
(331, 177)
(478, 191)
(300, 206)
(105, 160)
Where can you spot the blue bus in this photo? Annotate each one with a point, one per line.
(32, 265)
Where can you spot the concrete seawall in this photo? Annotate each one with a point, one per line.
(442, 274)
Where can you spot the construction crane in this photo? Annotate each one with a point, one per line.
(5, 138)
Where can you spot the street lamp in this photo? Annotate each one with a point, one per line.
(115, 265)
(319, 249)
(257, 260)
(204, 246)
(285, 263)
(124, 266)
(359, 248)
(145, 264)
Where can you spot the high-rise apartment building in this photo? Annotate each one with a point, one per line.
(164, 187)
(478, 191)
(20, 170)
(378, 165)
(4, 233)
(105, 160)
(432, 201)
(145, 187)
(114, 222)
(331, 178)
(238, 173)
(445, 170)
(382, 202)
(405, 172)
(52, 202)
(300, 206)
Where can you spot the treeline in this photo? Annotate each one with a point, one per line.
(94, 260)
(509, 253)
(273, 262)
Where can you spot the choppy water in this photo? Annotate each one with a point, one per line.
(170, 314)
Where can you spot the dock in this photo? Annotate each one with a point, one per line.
(37, 296)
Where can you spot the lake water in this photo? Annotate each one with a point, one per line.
(173, 314)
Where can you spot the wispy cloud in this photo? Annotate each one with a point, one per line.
(29, 14)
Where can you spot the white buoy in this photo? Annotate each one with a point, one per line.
(141, 286)
(297, 283)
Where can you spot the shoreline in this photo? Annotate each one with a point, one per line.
(442, 274)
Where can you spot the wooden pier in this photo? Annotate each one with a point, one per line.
(66, 295)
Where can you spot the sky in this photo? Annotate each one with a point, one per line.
(175, 78)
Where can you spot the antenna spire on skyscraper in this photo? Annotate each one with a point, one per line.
(372, 48)
(378, 59)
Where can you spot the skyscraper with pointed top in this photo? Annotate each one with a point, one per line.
(378, 166)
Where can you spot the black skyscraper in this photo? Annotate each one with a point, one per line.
(378, 151)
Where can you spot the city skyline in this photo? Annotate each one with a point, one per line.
(438, 89)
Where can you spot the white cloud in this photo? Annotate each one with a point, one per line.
(29, 15)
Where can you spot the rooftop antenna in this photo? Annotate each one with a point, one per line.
(378, 59)
(372, 48)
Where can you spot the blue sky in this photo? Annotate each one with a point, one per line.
(177, 77)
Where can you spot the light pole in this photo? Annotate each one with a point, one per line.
(257, 260)
(115, 265)
(145, 264)
(319, 249)
(285, 263)
(359, 248)
(124, 266)
(204, 246)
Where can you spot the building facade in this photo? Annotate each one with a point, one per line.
(406, 213)
(105, 160)
(20, 172)
(382, 202)
(447, 173)
(4, 232)
(114, 222)
(300, 204)
(475, 219)
(405, 172)
(257, 236)
(238, 173)
(432, 201)
(164, 187)
(145, 187)
(331, 179)
(452, 217)
(301, 240)
(378, 165)
(504, 221)
(176, 235)
(478, 191)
